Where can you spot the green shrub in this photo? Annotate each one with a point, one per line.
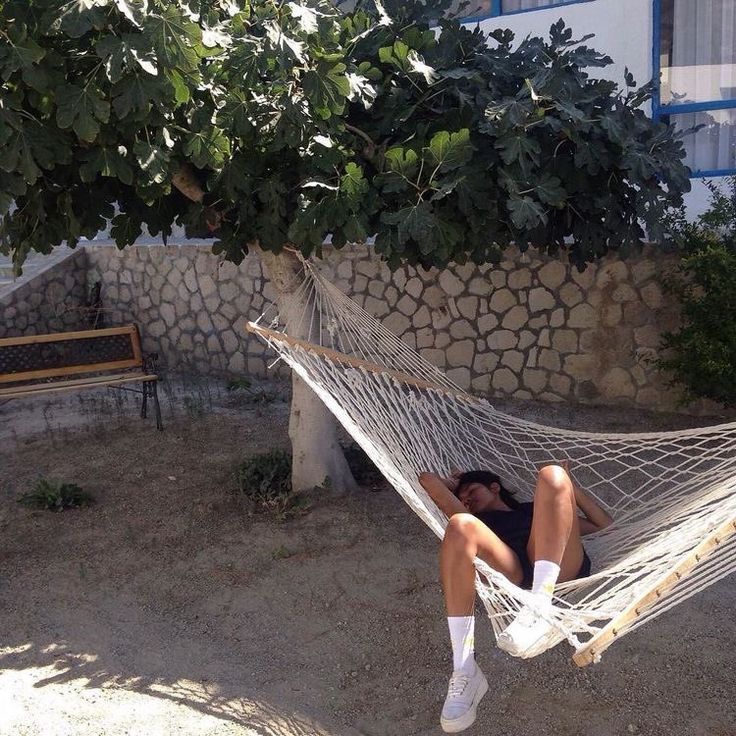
(55, 495)
(701, 355)
(265, 480)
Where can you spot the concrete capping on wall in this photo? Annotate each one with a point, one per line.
(50, 296)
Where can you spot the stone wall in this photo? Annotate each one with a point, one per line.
(191, 307)
(531, 327)
(49, 297)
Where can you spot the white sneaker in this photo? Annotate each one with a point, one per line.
(463, 695)
(524, 636)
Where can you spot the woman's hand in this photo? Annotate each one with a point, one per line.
(453, 481)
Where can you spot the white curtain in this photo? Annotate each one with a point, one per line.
(509, 6)
(702, 65)
(699, 65)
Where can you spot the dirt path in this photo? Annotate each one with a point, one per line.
(165, 609)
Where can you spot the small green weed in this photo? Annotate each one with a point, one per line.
(239, 384)
(55, 495)
(281, 553)
(248, 394)
(265, 480)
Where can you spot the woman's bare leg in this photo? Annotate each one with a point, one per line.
(555, 534)
(466, 538)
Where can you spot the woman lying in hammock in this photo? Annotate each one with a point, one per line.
(533, 544)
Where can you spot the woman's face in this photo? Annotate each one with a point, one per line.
(476, 497)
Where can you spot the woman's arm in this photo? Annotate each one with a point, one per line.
(439, 491)
(596, 518)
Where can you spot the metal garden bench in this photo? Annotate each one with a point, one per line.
(67, 361)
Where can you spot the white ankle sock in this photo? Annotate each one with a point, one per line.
(462, 636)
(545, 577)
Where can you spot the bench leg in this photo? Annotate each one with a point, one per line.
(144, 404)
(157, 406)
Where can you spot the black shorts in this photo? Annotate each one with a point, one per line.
(528, 568)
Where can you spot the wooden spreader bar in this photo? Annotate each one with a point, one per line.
(338, 357)
(593, 648)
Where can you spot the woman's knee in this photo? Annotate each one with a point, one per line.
(553, 480)
(460, 528)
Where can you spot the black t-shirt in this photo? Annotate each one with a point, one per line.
(512, 527)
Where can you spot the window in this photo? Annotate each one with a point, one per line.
(479, 9)
(514, 6)
(695, 55)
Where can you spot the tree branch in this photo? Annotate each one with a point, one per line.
(360, 133)
(186, 182)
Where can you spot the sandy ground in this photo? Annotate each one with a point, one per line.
(166, 609)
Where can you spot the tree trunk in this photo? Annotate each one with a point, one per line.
(317, 457)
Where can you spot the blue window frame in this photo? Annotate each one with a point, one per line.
(694, 63)
(478, 10)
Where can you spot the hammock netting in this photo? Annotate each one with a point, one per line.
(672, 494)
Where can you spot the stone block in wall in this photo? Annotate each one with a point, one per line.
(502, 300)
(451, 284)
(503, 340)
(462, 329)
(505, 380)
(617, 383)
(422, 317)
(460, 353)
(513, 359)
(581, 316)
(535, 380)
(651, 295)
(485, 363)
(461, 376)
(540, 299)
(515, 318)
(552, 275)
(519, 279)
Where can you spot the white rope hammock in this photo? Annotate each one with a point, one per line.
(672, 494)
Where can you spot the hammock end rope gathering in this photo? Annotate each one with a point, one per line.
(672, 494)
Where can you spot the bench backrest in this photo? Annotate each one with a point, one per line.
(35, 357)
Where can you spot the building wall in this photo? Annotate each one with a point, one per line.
(529, 328)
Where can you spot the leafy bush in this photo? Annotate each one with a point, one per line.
(265, 480)
(55, 495)
(702, 354)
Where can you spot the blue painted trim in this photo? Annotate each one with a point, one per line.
(685, 107)
(496, 10)
(546, 7)
(656, 42)
(713, 173)
(659, 110)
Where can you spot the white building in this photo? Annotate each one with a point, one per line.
(688, 46)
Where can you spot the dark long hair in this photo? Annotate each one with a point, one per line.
(485, 478)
